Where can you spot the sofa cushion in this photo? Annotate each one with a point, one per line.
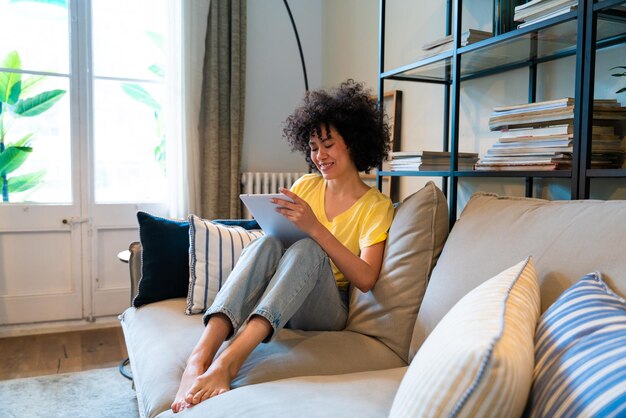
(363, 395)
(580, 354)
(478, 361)
(159, 338)
(213, 251)
(567, 239)
(164, 259)
(416, 237)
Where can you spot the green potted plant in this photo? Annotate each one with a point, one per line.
(14, 106)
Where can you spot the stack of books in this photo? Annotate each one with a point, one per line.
(553, 112)
(537, 10)
(405, 161)
(539, 136)
(445, 44)
(440, 161)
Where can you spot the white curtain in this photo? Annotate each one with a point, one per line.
(185, 72)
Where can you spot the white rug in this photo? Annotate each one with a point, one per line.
(100, 393)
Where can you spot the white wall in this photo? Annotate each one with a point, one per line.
(274, 80)
(350, 50)
(350, 42)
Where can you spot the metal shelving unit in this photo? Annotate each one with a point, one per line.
(580, 33)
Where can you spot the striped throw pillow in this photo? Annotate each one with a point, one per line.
(213, 251)
(580, 354)
(478, 360)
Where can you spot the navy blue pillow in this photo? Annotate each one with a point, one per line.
(165, 256)
(164, 259)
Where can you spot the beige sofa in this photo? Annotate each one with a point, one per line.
(357, 372)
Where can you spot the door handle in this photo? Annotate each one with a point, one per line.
(75, 221)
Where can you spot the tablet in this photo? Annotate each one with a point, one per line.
(272, 222)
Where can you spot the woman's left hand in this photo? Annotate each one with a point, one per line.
(298, 212)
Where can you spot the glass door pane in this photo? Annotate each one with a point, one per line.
(35, 137)
(129, 53)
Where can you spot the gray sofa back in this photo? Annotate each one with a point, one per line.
(567, 240)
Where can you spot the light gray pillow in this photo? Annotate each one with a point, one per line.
(416, 237)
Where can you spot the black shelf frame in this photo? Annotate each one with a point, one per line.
(584, 20)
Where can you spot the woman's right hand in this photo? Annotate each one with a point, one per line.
(298, 212)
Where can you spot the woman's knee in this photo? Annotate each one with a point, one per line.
(269, 243)
(306, 246)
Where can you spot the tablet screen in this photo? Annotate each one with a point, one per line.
(272, 222)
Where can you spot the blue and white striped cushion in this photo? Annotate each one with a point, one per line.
(580, 354)
(213, 251)
(478, 360)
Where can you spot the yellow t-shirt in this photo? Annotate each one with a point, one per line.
(364, 224)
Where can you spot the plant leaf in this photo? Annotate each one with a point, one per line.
(38, 104)
(141, 95)
(61, 3)
(31, 82)
(15, 93)
(12, 158)
(7, 79)
(23, 141)
(623, 89)
(157, 70)
(25, 182)
(156, 38)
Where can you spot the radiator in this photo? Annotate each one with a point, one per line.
(256, 183)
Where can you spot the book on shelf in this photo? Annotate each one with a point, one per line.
(430, 160)
(528, 150)
(446, 155)
(534, 143)
(467, 37)
(405, 154)
(551, 104)
(535, 139)
(542, 134)
(535, 8)
(405, 160)
(531, 159)
(537, 115)
(566, 129)
(405, 165)
(446, 43)
(525, 167)
(540, 18)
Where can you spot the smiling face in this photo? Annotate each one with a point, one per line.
(330, 154)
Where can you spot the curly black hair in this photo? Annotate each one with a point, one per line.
(354, 113)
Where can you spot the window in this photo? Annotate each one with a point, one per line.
(102, 91)
(35, 133)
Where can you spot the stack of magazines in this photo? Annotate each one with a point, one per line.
(440, 161)
(405, 161)
(539, 136)
(537, 10)
(444, 44)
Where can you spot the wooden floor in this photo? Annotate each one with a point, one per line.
(37, 355)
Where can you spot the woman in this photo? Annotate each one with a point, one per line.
(306, 285)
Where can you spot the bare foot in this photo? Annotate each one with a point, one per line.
(215, 381)
(192, 371)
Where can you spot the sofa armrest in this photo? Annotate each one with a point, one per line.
(134, 265)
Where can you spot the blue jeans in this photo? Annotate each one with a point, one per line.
(295, 288)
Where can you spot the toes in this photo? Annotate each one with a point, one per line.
(177, 406)
(206, 396)
(199, 396)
